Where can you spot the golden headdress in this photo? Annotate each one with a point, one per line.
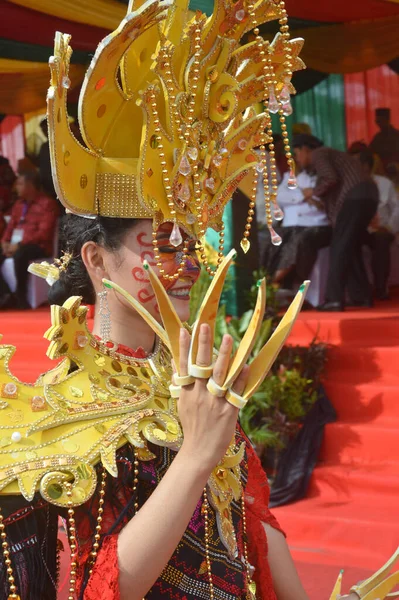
(166, 113)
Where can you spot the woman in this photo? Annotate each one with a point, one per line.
(168, 516)
(137, 546)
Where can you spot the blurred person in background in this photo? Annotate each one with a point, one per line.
(383, 229)
(386, 142)
(28, 236)
(350, 199)
(304, 231)
(7, 179)
(45, 163)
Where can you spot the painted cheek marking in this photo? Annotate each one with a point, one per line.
(140, 275)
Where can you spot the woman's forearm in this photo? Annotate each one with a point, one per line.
(287, 584)
(148, 541)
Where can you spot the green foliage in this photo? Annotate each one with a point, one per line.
(276, 412)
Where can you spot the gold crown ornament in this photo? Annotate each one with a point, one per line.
(167, 115)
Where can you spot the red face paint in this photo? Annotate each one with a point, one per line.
(171, 258)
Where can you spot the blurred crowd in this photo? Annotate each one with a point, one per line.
(29, 215)
(344, 202)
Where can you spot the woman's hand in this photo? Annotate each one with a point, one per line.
(208, 422)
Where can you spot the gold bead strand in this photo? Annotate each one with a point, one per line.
(207, 553)
(160, 147)
(251, 586)
(202, 252)
(7, 561)
(194, 81)
(97, 535)
(245, 243)
(221, 246)
(263, 48)
(191, 109)
(136, 479)
(284, 28)
(72, 542)
(158, 261)
(170, 86)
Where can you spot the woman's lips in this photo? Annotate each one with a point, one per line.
(182, 293)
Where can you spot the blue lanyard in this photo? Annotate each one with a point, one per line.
(24, 213)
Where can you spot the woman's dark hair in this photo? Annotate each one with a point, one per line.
(75, 232)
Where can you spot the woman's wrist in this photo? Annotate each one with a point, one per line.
(193, 458)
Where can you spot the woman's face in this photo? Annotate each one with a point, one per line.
(125, 267)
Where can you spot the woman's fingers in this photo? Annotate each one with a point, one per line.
(241, 381)
(223, 360)
(205, 346)
(184, 350)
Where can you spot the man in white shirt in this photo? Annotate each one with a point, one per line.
(305, 229)
(383, 229)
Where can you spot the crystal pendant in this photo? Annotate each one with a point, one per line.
(184, 167)
(273, 105)
(260, 167)
(276, 239)
(245, 244)
(217, 160)
(210, 184)
(287, 109)
(285, 96)
(192, 153)
(292, 184)
(184, 192)
(278, 214)
(66, 82)
(176, 237)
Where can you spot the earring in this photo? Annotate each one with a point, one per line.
(105, 316)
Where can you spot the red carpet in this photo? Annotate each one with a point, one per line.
(350, 518)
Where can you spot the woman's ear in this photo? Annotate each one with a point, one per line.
(93, 259)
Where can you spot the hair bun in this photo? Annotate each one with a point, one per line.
(58, 293)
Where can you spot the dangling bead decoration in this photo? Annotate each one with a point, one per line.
(273, 105)
(278, 214)
(245, 244)
(287, 109)
(160, 264)
(292, 183)
(184, 192)
(276, 239)
(184, 167)
(176, 237)
(285, 96)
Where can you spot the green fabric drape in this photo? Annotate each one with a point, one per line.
(323, 108)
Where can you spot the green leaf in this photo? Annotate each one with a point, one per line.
(245, 321)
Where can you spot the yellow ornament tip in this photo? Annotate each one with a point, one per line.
(245, 244)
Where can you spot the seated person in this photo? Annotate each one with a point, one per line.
(305, 230)
(383, 229)
(29, 235)
(7, 179)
